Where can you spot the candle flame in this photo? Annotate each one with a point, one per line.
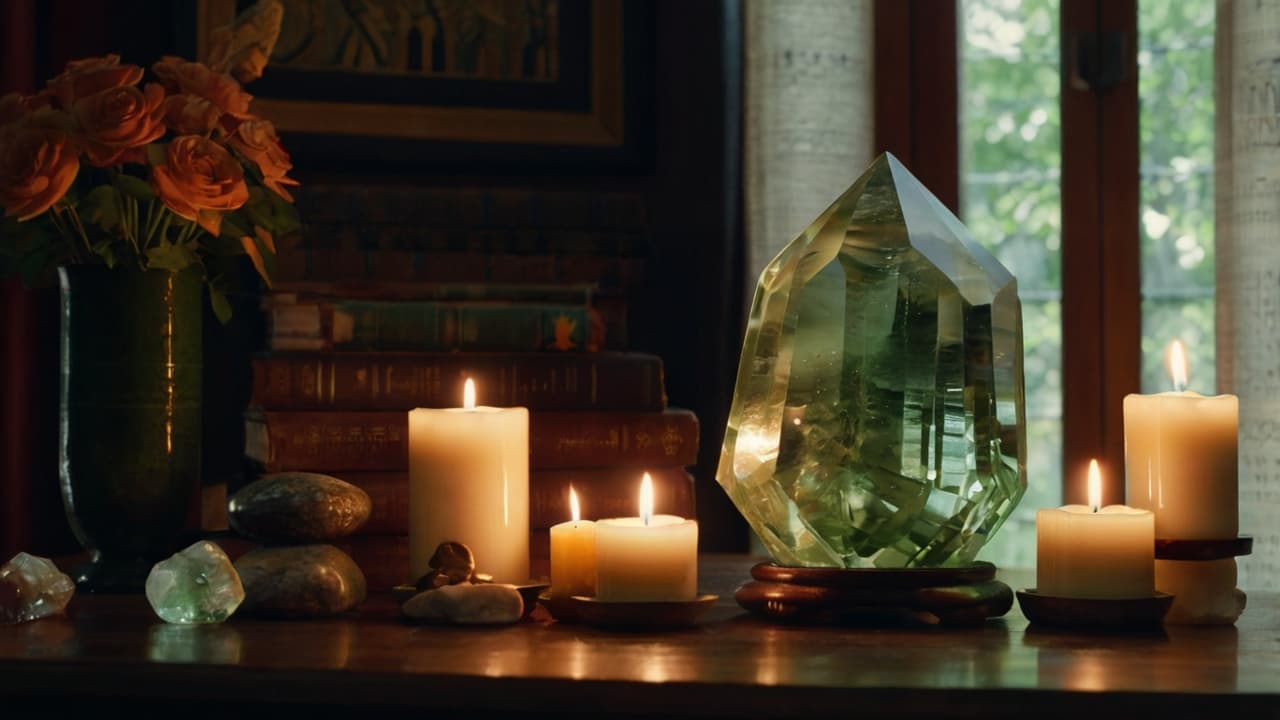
(646, 499)
(573, 505)
(1095, 486)
(469, 395)
(1177, 360)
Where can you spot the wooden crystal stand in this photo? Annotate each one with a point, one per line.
(915, 596)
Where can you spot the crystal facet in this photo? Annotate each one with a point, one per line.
(194, 586)
(31, 588)
(878, 418)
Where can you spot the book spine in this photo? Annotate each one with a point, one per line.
(337, 441)
(607, 492)
(345, 265)
(389, 381)
(356, 325)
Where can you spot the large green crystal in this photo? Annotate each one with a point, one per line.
(878, 419)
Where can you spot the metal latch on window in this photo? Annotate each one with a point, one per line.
(1098, 60)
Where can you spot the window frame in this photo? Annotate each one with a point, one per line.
(917, 119)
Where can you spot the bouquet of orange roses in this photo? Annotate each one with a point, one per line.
(159, 173)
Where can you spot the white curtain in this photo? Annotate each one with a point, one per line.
(1247, 233)
(809, 114)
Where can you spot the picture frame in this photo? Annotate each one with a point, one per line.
(591, 114)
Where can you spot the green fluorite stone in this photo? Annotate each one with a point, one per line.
(197, 585)
(878, 418)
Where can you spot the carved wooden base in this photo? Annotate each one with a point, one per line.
(837, 596)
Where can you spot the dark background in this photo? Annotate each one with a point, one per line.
(677, 174)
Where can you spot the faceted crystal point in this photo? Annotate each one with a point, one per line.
(31, 588)
(194, 586)
(878, 418)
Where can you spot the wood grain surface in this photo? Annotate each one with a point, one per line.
(110, 653)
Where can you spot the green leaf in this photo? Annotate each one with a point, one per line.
(233, 226)
(158, 153)
(221, 306)
(106, 249)
(102, 207)
(135, 187)
(172, 257)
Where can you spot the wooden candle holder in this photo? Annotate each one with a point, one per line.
(1115, 615)
(1203, 550)
(627, 615)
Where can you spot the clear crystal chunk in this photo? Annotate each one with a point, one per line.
(878, 418)
(32, 588)
(194, 586)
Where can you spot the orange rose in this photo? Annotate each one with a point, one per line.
(118, 119)
(38, 162)
(92, 75)
(180, 76)
(190, 114)
(257, 140)
(199, 180)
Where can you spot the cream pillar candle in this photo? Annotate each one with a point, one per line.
(469, 482)
(1091, 552)
(573, 554)
(651, 558)
(1180, 458)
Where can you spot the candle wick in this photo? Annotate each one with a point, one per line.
(1179, 386)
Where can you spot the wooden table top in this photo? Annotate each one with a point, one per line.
(112, 649)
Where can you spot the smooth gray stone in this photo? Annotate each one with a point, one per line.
(302, 581)
(467, 604)
(298, 507)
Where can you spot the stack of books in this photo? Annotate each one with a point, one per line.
(347, 362)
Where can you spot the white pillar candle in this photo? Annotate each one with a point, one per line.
(1180, 459)
(1091, 552)
(573, 554)
(469, 483)
(651, 558)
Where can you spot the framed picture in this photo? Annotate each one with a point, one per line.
(526, 73)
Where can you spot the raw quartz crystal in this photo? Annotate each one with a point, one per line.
(32, 588)
(878, 418)
(195, 586)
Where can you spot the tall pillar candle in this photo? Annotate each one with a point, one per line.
(1181, 463)
(1180, 459)
(469, 483)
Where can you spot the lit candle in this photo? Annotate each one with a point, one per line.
(1180, 458)
(469, 483)
(573, 554)
(1092, 552)
(651, 558)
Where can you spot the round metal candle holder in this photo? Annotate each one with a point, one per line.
(1203, 550)
(876, 596)
(1146, 613)
(628, 615)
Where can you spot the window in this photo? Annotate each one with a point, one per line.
(1132, 203)
(1011, 200)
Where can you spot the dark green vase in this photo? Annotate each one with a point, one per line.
(129, 438)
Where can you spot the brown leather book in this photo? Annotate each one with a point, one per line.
(406, 380)
(330, 442)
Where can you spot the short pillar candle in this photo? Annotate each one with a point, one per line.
(573, 554)
(1087, 551)
(651, 558)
